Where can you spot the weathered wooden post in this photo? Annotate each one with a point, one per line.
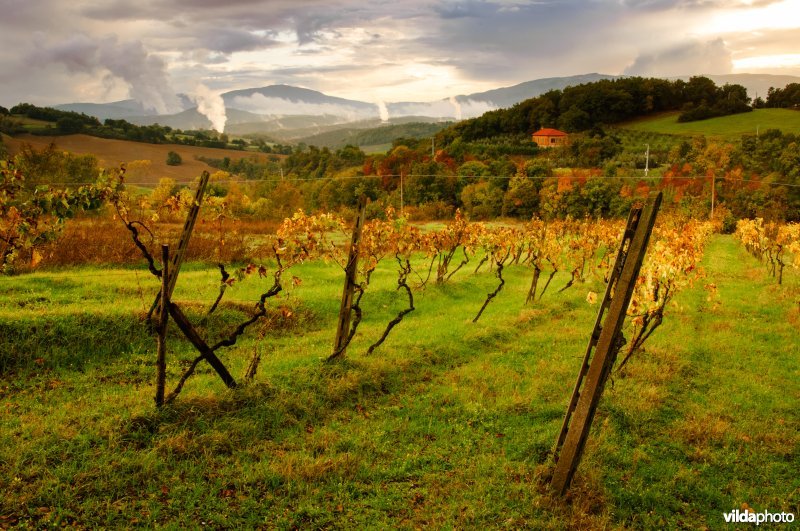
(163, 322)
(183, 243)
(199, 343)
(350, 284)
(188, 227)
(606, 341)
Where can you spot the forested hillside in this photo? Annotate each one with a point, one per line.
(604, 102)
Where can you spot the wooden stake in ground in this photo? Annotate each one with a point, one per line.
(183, 243)
(343, 335)
(163, 321)
(607, 340)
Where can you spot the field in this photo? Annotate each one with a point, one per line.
(448, 425)
(111, 153)
(727, 127)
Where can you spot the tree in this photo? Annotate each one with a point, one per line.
(51, 165)
(173, 159)
(575, 119)
(482, 201)
(522, 198)
(69, 125)
(787, 97)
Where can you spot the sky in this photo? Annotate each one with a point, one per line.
(57, 51)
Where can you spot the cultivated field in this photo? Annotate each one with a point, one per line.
(111, 153)
(449, 424)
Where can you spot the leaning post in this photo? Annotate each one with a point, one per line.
(163, 322)
(350, 283)
(605, 341)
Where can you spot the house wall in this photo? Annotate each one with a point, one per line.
(550, 141)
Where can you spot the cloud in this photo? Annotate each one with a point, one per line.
(144, 73)
(457, 108)
(693, 57)
(468, 9)
(268, 106)
(228, 41)
(425, 50)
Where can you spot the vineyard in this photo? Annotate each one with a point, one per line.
(437, 405)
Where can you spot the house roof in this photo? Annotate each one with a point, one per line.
(549, 132)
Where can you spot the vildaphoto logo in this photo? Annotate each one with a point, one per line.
(748, 516)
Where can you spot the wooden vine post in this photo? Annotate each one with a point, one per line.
(605, 342)
(163, 321)
(183, 243)
(188, 227)
(167, 308)
(350, 285)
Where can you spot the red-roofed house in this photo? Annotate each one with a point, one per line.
(547, 138)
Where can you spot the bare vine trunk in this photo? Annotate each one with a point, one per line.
(532, 290)
(405, 270)
(492, 295)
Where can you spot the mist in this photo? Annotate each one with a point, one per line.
(144, 73)
(211, 105)
(264, 105)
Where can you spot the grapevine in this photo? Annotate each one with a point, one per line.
(32, 216)
(671, 264)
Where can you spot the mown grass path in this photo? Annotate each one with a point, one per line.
(449, 424)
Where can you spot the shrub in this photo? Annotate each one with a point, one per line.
(173, 159)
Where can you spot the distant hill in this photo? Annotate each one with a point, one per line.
(117, 110)
(508, 96)
(290, 128)
(385, 134)
(259, 101)
(319, 130)
(267, 110)
(191, 119)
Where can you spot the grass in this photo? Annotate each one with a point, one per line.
(377, 148)
(448, 424)
(729, 128)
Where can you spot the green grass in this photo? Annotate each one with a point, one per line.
(32, 122)
(448, 424)
(377, 148)
(726, 127)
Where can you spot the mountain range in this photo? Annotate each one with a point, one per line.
(289, 113)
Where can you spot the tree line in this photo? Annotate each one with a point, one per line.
(610, 101)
